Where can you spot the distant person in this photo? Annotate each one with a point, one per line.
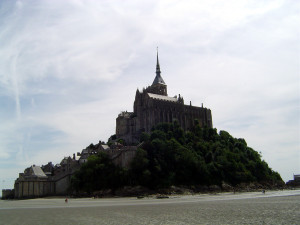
(66, 200)
(263, 191)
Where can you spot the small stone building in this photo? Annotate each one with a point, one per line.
(295, 182)
(47, 180)
(33, 183)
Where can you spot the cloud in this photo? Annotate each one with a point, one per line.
(65, 41)
(69, 67)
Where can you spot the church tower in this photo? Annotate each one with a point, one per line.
(158, 86)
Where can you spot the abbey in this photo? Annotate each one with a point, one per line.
(152, 105)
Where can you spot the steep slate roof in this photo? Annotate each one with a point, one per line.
(162, 97)
(37, 171)
(105, 147)
(158, 80)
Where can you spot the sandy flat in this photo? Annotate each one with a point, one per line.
(274, 207)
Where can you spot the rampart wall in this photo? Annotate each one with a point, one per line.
(122, 157)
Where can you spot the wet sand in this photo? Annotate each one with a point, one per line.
(276, 207)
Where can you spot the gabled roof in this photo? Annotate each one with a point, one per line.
(162, 97)
(37, 171)
(105, 147)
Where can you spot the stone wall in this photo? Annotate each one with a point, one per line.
(62, 184)
(8, 193)
(38, 188)
(122, 157)
(33, 188)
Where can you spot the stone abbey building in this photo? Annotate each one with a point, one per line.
(152, 105)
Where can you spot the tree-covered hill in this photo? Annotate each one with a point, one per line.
(170, 156)
(200, 156)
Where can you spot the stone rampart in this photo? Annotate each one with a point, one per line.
(33, 188)
(122, 157)
(8, 193)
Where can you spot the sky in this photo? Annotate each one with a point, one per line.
(68, 68)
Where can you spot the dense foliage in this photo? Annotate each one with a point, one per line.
(170, 156)
(98, 173)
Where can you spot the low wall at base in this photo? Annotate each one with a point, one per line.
(8, 193)
(33, 188)
(62, 185)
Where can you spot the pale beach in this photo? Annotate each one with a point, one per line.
(273, 207)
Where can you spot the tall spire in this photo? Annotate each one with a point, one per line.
(157, 64)
(158, 78)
